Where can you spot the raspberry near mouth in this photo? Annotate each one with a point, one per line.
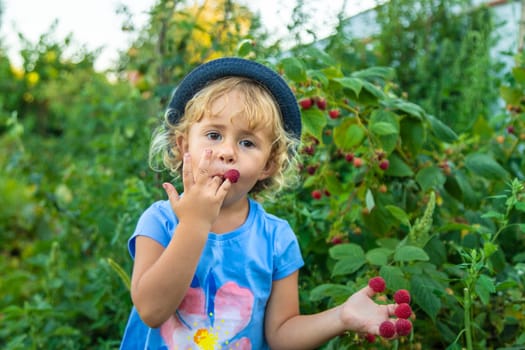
(232, 175)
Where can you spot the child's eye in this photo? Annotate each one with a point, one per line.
(247, 143)
(213, 136)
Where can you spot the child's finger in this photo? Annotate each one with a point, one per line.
(203, 171)
(391, 309)
(172, 193)
(368, 291)
(187, 171)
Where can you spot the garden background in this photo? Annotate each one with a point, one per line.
(412, 169)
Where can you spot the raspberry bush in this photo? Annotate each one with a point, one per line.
(405, 221)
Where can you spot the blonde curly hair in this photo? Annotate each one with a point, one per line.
(259, 107)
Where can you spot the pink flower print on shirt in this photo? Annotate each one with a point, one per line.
(192, 327)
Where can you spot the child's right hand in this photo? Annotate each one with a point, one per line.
(203, 194)
(360, 313)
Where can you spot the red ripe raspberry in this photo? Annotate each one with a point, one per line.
(387, 329)
(311, 169)
(403, 311)
(377, 284)
(337, 240)
(370, 338)
(321, 103)
(402, 296)
(334, 113)
(232, 175)
(384, 164)
(306, 103)
(316, 194)
(403, 327)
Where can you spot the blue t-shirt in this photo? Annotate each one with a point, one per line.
(225, 304)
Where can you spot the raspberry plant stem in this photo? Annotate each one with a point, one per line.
(466, 309)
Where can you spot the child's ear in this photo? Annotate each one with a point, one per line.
(182, 144)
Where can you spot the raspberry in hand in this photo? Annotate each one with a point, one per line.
(403, 327)
(387, 329)
(403, 311)
(402, 296)
(377, 284)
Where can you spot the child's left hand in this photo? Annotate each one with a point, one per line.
(360, 313)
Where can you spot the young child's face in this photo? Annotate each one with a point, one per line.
(233, 142)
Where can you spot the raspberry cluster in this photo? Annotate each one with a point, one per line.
(401, 326)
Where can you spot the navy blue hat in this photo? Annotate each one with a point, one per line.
(239, 67)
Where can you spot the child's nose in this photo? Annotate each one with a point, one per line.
(227, 152)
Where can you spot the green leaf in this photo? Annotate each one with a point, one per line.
(329, 290)
(442, 131)
(332, 181)
(385, 73)
(485, 166)
(520, 206)
(489, 248)
(484, 286)
(398, 167)
(388, 242)
(394, 277)
(350, 257)
(422, 290)
(120, 272)
(314, 122)
(521, 339)
(413, 135)
(409, 108)
(245, 47)
(430, 177)
(345, 250)
(505, 285)
(374, 90)
(353, 84)
(319, 76)
(385, 125)
(348, 265)
(519, 75)
(399, 214)
(510, 95)
(320, 56)
(409, 253)
(348, 135)
(491, 214)
(383, 128)
(459, 186)
(378, 256)
(294, 69)
(65, 331)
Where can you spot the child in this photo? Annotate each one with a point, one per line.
(212, 269)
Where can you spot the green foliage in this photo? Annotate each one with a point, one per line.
(182, 34)
(441, 53)
(404, 221)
